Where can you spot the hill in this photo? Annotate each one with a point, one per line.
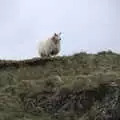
(78, 87)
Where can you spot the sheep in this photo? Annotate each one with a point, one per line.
(50, 47)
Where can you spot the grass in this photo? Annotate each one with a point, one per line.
(67, 87)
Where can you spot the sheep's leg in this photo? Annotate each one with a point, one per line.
(48, 55)
(43, 55)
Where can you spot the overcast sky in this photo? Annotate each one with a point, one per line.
(87, 25)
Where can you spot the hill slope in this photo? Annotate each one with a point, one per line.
(83, 86)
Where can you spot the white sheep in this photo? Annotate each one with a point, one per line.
(50, 47)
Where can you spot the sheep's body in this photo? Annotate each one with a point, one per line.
(49, 48)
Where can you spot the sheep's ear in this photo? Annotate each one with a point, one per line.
(55, 34)
(59, 33)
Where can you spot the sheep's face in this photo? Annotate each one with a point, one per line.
(56, 38)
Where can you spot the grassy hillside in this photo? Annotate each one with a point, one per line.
(79, 87)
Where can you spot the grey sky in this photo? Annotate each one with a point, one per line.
(87, 25)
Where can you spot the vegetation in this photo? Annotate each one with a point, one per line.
(78, 87)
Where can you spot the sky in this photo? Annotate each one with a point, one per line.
(86, 25)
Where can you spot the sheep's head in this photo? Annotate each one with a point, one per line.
(56, 38)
